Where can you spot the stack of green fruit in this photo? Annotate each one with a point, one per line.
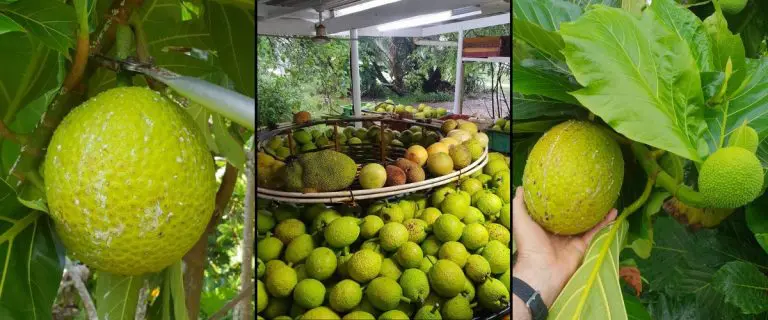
(422, 111)
(443, 255)
(502, 125)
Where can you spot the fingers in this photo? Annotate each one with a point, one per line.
(587, 237)
(520, 218)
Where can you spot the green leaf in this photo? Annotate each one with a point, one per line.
(116, 296)
(633, 6)
(234, 34)
(752, 27)
(8, 25)
(534, 126)
(26, 120)
(757, 221)
(601, 298)
(176, 283)
(749, 103)
(726, 45)
(636, 72)
(530, 80)
(635, 309)
(29, 71)
(688, 28)
(547, 14)
(743, 285)
(201, 115)
(531, 106)
(31, 260)
(49, 21)
(227, 145)
(640, 237)
(548, 42)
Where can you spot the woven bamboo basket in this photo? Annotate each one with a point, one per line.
(362, 154)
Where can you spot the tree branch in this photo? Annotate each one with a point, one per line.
(141, 306)
(196, 257)
(247, 292)
(6, 133)
(246, 253)
(684, 193)
(79, 274)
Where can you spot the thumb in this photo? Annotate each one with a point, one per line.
(522, 223)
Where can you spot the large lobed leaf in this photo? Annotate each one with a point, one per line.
(602, 297)
(49, 21)
(743, 285)
(32, 260)
(536, 23)
(689, 28)
(636, 72)
(233, 32)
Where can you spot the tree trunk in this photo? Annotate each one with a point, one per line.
(245, 310)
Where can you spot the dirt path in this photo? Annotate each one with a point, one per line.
(474, 107)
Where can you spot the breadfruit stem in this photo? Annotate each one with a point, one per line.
(681, 191)
(611, 234)
(6, 133)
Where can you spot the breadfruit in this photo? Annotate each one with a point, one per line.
(321, 171)
(730, 178)
(744, 137)
(732, 6)
(573, 177)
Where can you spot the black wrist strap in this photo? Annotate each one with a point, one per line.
(531, 297)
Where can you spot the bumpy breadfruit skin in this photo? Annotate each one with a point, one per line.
(321, 171)
(730, 178)
(573, 177)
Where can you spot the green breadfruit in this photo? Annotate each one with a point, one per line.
(744, 137)
(732, 6)
(493, 295)
(384, 293)
(321, 171)
(730, 178)
(573, 177)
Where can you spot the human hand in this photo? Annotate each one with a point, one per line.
(546, 261)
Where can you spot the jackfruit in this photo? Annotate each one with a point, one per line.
(321, 171)
(573, 177)
(730, 178)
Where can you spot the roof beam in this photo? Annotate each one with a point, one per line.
(273, 12)
(395, 11)
(467, 25)
(285, 27)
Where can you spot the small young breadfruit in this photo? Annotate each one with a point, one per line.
(469, 289)
(572, 177)
(475, 236)
(323, 219)
(269, 248)
(460, 156)
(477, 268)
(392, 235)
(498, 232)
(431, 245)
(474, 215)
(439, 164)
(345, 296)
(373, 176)
(384, 293)
(458, 308)
(492, 295)
(320, 313)
(730, 178)
(438, 196)
(392, 212)
(489, 204)
(280, 283)
(428, 312)
(299, 249)
(429, 215)
(261, 296)
(471, 186)
(273, 265)
(732, 6)
(497, 255)
(390, 269)
(260, 268)
(321, 264)
(455, 252)
(276, 307)
(409, 208)
(426, 263)
(394, 315)
(447, 278)
(415, 285)
(309, 293)
(371, 226)
(342, 232)
(341, 265)
(364, 265)
(455, 204)
(417, 229)
(409, 255)
(448, 227)
(264, 221)
(358, 315)
(301, 272)
(287, 230)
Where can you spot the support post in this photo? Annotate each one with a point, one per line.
(458, 95)
(355, 76)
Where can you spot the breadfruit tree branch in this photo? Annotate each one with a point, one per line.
(246, 253)
(72, 92)
(684, 193)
